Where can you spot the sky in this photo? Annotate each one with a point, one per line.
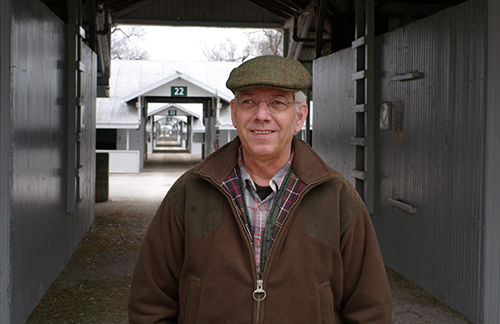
(186, 43)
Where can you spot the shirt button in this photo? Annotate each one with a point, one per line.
(261, 207)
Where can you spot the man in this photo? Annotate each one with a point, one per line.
(262, 231)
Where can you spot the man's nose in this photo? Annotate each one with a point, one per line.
(262, 111)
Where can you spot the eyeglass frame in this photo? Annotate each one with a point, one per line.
(268, 105)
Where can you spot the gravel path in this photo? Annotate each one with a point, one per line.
(93, 288)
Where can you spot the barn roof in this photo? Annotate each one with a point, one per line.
(130, 79)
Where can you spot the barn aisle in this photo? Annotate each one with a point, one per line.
(93, 288)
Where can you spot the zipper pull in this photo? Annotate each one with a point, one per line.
(259, 294)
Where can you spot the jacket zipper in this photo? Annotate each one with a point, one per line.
(259, 294)
(260, 280)
(259, 290)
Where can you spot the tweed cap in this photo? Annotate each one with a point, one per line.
(270, 71)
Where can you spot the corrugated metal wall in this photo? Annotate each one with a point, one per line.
(438, 166)
(491, 223)
(43, 235)
(5, 161)
(333, 120)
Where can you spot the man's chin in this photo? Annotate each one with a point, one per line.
(263, 152)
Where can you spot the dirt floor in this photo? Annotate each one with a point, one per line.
(93, 288)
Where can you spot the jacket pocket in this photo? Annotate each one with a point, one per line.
(326, 303)
(193, 302)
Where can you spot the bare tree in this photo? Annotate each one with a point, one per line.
(267, 42)
(263, 42)
(123, 43)
(226, 51)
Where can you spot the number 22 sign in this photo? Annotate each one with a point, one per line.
(178, 91)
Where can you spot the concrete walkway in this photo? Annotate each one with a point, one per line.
(411, 304)
(133, 199)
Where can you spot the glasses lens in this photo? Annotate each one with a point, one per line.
(277, 105)
(251, 103)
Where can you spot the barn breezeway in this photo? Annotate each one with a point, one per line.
(93, 288)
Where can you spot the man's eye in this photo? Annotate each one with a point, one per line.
(247, 101)
(279, 105)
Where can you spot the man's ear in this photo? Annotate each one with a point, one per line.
(301, 116)
(233, 113)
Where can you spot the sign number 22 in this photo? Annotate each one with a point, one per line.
(178, 91)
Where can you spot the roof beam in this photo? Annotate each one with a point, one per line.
(320, 26)
(290, 4)
(427, 2)
(128, 6)
(277, 8)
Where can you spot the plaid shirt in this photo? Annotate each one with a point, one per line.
(258, 209)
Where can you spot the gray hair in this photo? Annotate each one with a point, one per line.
(300, 97)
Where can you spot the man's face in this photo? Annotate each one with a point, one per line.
(266, 134)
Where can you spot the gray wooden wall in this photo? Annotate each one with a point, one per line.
(438, 166)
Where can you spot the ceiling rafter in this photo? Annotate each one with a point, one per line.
(426, 2)
(118, 5)
(320, 25)
(277, 8)
(130, 7)
(332, 29)
(291, 4)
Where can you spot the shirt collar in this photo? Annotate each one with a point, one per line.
(275, 182)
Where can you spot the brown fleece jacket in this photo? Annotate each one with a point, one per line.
(197, 264)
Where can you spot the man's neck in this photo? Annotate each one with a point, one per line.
(262, 173)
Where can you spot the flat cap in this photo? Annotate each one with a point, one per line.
(270, 71)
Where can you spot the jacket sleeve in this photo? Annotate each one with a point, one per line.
(367, 294)
(154, 290)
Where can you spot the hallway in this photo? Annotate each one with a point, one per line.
(93, 287)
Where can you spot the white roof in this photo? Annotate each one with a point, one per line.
(178, 79)
(130, 79)
(179, 111)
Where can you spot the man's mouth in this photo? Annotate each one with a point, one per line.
(262, 132)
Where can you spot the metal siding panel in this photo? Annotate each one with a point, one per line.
(333, 119)
(38, 157)
(85, 216)
(5, 161)
(438, 166)
(491, 279)
(44, 236)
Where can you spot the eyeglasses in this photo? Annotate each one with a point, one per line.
(274, 105)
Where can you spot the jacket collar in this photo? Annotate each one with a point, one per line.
(307, 165)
